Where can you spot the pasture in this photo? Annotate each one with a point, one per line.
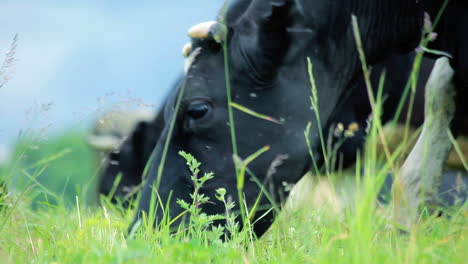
(50, 216)
(50, 212)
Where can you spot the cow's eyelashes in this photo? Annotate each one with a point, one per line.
(198, 109)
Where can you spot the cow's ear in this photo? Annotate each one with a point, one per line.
(267, 39)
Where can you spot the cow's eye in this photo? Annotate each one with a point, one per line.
(198, 109)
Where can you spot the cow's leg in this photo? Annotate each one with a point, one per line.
(419, 178)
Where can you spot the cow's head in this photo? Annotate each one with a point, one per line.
(267, 43)
(123, 167)
(123, 143)
(121, 140)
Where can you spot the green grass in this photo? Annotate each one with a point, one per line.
(97, 235)
(49, 218)
(59, 168)
(304, 232)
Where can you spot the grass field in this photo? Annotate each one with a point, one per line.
(49, 219)
(50, 215)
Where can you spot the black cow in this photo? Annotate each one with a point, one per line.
(131, 157)
(122, 173)
(267, 43)
(121, 176)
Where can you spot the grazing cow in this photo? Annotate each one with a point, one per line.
(127, 160)
(126, 151)
(112, 128)
(117, 136)
(267, 43)
(126, 141)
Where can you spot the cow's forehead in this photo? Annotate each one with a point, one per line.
(201, 48)
(205, 74)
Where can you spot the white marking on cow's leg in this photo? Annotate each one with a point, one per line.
(419, 178)
(191, 59)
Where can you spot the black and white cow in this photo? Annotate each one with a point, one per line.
(267, 43)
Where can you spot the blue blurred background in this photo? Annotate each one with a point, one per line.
(77, 57)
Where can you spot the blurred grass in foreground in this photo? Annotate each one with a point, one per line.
(55, 170)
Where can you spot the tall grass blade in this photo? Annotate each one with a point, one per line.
(255, 114)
